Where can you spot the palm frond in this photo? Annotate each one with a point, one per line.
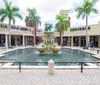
(18, 15)
(6, 3)
(9, 11)
(3, 11)
(48, 26)
(86, 8)
(15, 9)
(3, 18)
(94, 10)
(27, 19)
(62, 23)
(37, 19)
(33, 18)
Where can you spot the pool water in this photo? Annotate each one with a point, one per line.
(65, 55)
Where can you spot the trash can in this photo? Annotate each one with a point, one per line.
(51, 66)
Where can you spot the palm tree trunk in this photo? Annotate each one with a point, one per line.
(35, 33)
(9, 33)
(61, 38)
(34, 36)
(86, 30)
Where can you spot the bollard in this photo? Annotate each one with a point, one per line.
(51, 66)
(19, 66)
(82, 67)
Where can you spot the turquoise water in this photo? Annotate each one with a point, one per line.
(65, 55)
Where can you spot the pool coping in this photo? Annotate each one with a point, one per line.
(46, 67)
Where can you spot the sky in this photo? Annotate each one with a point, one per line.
(48, 9)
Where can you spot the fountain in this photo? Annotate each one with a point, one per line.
(48, 45)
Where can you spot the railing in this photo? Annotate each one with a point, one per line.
(81, 64)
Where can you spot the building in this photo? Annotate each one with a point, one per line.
(79, 38)
(74, 36)
(20, 35)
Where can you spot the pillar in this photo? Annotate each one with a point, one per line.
(72, 41)
(23, 40)
(26, 40)
(68, 41)
(89, 38)
(79, 41)
(16, 41)
(6, 41)
(99, 41)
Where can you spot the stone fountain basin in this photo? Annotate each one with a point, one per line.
(56, 49)
(41, 49)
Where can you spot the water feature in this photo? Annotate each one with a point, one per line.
(48, 45)
(65, 55)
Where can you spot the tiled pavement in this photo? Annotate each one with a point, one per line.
(41, 77)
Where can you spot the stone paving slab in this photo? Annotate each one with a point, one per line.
(41, 77)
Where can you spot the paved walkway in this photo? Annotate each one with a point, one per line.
(41, 77)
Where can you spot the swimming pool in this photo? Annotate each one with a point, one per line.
(31, 55)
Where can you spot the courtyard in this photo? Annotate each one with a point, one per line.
(47, 47)
(41, 77)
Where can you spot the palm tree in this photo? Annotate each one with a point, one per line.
(48, 26)
(62, 25)
(84, 10)
(9, 12)
(34, 21)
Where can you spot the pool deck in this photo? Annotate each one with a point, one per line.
(41, 77)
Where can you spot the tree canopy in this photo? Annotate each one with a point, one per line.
(62, 23)
(9, 12)
(48, 26)
(86, 8)
(33, 18)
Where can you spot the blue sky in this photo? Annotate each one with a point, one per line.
(48, 9)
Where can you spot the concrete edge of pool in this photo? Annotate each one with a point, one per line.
(55, 67)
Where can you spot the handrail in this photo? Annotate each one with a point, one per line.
(80, 63)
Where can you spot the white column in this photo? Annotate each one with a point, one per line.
(68, 41)
(16, 42)
(79, 41)
(26, 40)
(72, 41)
(89, 38)
(23, 40)
(6, 41)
